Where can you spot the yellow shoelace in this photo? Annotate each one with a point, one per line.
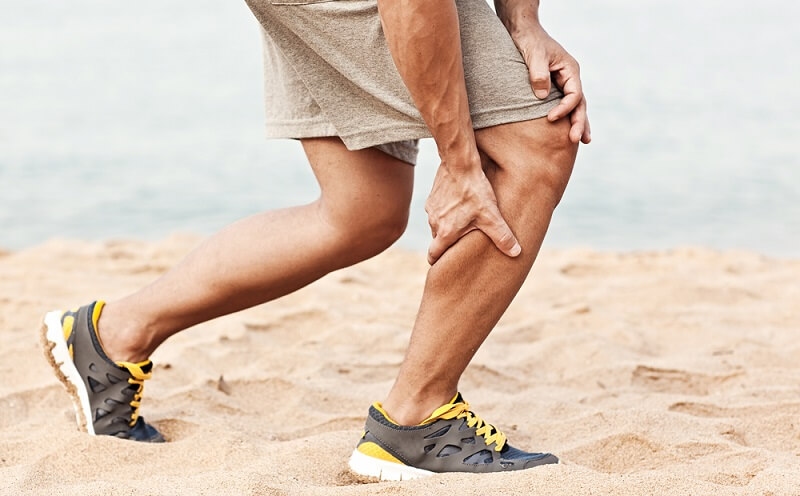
(461, 410)
(139, 376)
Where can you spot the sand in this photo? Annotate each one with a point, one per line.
(674, 372)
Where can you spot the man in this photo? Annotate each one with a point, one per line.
(358, 82)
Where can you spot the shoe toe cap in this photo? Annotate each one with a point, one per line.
(144, 432)
(541, 459)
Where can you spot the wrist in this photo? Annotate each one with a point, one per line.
(461, 156)
(518, 16)
(462, 164)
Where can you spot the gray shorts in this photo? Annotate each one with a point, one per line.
(328, 72)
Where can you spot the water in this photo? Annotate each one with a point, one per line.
(143, 119)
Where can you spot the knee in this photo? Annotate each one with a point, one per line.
(553, 176)
(380, 231)
(366, 233)
(541, 168)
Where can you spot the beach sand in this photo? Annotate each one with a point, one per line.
(673, 372)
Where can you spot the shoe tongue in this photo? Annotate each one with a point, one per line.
(447, 407)
(133, 368)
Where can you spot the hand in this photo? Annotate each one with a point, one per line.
(545, 59)
(461, 202)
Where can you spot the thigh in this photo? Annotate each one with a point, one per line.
(359, 185)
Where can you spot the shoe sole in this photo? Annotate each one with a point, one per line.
(368, 466)
(57, 354)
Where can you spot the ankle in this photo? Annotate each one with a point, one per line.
(121, 338)
(412, 409)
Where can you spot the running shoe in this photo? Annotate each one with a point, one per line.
(452, 439)
(106, 394)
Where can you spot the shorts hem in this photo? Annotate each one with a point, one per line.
(497, 117)
(299, 130)
(386, 135)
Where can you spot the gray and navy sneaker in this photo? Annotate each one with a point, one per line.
(452, 439)
(106, 394)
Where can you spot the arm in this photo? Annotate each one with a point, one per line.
(424, 40)
(545, 59)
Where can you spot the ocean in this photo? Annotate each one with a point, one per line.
(140, 120)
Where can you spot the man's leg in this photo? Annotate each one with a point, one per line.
(472, 284)
(362, 209)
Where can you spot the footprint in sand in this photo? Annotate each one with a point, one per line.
(678, 381)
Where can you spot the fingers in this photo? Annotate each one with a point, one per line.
(568, 103)
(573, 105)
(547, 60)
(501, 235)
(580, 129)
(492, 224)
(573, 93)
(440, 244)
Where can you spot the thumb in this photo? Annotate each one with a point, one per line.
(539, 71)
(438, 246)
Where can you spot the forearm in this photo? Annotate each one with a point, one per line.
(517, 14)
(425, 43)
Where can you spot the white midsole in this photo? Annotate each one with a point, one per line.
(60, 353)
(373, 467)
